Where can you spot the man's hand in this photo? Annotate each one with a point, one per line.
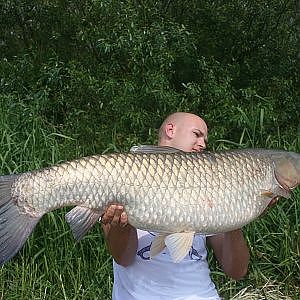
(121, 237)
(273, 201)
(271, 204)
(115, 215)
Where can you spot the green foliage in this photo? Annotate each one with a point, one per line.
(84, 77)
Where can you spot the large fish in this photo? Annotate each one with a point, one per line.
(162, 189)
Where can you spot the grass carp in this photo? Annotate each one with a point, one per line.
(162, 189)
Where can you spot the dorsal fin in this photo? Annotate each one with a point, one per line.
(153, 149)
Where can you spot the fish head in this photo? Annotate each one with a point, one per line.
(287, 169)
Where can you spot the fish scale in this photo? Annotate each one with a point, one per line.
(162, 189)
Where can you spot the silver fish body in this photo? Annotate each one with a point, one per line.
(168, 193)
(205, 193)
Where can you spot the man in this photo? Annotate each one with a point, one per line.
(138, 277)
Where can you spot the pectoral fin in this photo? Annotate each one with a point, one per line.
(81, 220)
(158, 245)
(267, 194)
(179, 244)
(278, 191)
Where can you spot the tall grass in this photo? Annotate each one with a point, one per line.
(52, 266)
(273, 239)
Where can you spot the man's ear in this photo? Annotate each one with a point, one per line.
(170, 130)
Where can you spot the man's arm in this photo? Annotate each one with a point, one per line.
(231, 251)
(121, 237)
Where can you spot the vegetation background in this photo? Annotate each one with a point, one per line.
(86, 77)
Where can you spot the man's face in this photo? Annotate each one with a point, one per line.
(190, 134)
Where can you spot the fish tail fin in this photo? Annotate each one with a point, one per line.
(15, 225)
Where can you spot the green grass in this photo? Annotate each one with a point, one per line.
(274, 242)
(52, 265)
(273, 239)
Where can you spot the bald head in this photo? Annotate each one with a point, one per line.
(184, 131)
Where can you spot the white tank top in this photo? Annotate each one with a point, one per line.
(160, 278)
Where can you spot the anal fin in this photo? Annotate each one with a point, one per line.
(81, 220)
